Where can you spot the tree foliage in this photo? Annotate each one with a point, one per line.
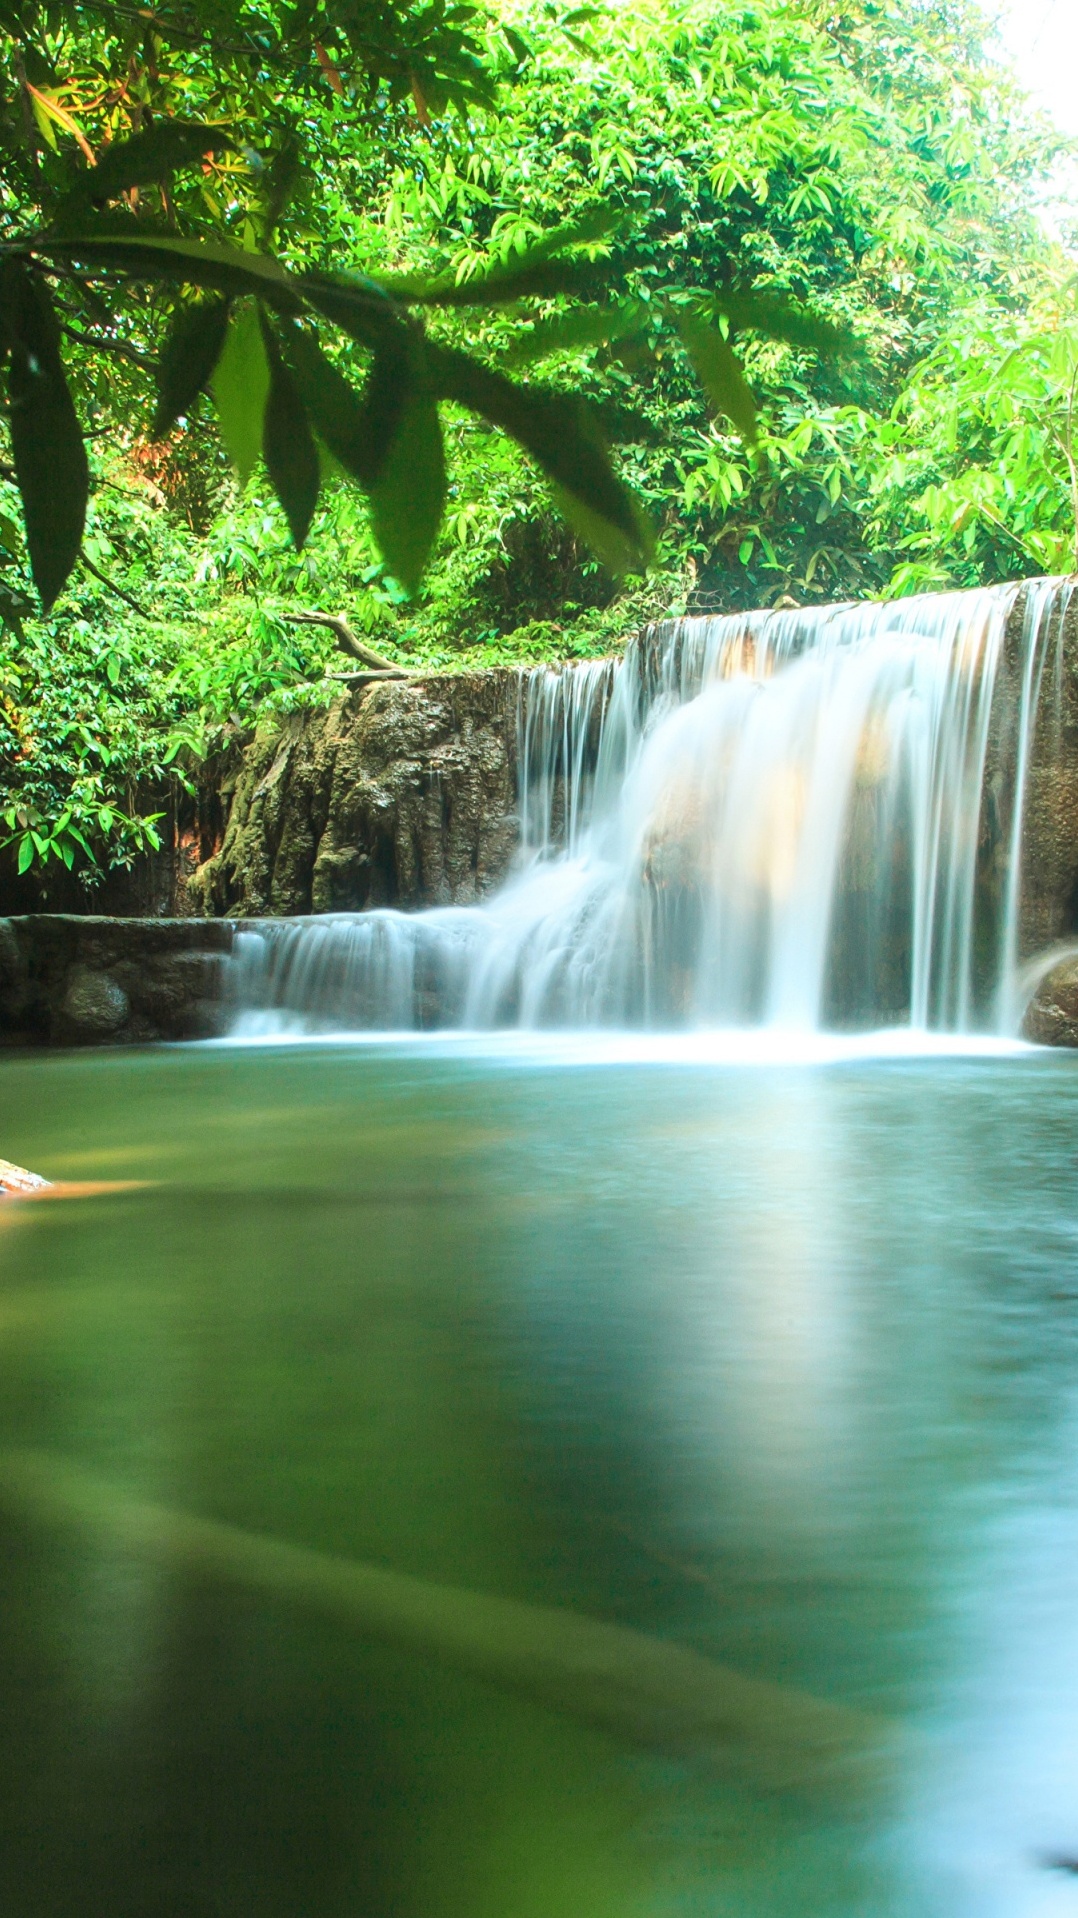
(101, 176)
(426, 268)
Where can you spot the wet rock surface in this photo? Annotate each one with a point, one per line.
(1052, 1014)
(93, 1002)
(403, 793)
(69, 979)
(1049, 911)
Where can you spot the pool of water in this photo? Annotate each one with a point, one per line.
(528, 1479)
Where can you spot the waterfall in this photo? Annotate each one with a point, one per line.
(764, 819)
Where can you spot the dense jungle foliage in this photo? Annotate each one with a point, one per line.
(848, 193)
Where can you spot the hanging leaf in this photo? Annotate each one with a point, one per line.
(46, 441)
(398, 370)
(356, 433)
(390, 441)
(208, 263)
(359, 306)
(579, 328)
(48, 113)
(240, 387)
(407, 495)
(781, 319)
(528, 278)
(148, 157)
(288, 444)
(719, 372)
(538, 269)
(620, 552)
(191, 352)
(557, 430)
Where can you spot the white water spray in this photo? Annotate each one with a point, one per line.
(771, 819)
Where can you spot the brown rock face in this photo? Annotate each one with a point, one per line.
(402, 794)
(1052, 1014)
(1049, 911)
(74, 980)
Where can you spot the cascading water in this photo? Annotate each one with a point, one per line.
(764, 819)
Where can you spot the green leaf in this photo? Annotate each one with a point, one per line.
(359, 306)
(620, 552)
(145, 159)
(288, 444)
(527, 278)
(240, 387)
(719, 372)
(46, 440)
(355, 432)
(557, 430)
(208, 263)
(26, 852)
(390, 441)
(521, 48)
(578, 328)
(408, 493)
(539, 270)
(781, 319)
(191, 352)
(398, 369)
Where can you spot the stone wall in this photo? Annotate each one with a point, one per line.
(71, 979)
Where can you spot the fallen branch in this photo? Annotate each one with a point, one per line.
(347, 641)
(645, 1691)
(16, 1182)
(367, 676)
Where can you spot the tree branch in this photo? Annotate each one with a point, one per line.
(347, 641)
(120, 347)
(128, 598)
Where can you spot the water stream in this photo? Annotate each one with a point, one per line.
(765, 820)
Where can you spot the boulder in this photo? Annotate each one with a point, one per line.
(93, 1003)
(1052, 1014)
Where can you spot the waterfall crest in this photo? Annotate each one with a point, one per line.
(767, 819)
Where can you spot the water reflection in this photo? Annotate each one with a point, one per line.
(467, 1486)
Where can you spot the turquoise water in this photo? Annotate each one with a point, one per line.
(776, 1362)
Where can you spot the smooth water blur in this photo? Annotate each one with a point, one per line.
(773, 1361)
(772, 819)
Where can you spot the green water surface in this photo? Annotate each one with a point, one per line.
(776, 1363)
